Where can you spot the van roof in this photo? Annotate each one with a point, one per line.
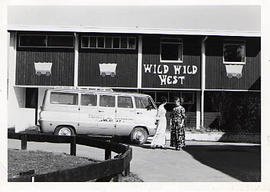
(96, 91)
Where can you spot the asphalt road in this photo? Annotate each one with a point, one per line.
(198, 162)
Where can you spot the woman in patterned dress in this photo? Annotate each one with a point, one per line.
(159, 139)
(177, 121)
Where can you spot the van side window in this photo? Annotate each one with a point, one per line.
(143, 103)
(125, 102)
(88, 100)
(64, 98)
(107, 101)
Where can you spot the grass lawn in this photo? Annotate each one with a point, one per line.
(45, 162)
(41, 162)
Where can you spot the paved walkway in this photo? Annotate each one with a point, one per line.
(200, 161)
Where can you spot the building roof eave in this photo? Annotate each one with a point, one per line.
(135, 30)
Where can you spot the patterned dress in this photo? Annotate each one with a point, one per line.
(178, 131)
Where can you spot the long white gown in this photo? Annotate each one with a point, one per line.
(159, 138)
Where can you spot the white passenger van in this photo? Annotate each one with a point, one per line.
(95, 112)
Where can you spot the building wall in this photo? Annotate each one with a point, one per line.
(216, 75)
(127, 66)
(62, 70)
(19, 116)
(126, 70)
(191, 60)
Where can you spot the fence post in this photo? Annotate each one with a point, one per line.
(73, 145)
(127, 170)
(127, 162)
(117, 178)
(23, 142)
(108, 154)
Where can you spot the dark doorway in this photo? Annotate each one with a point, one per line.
(31, 100)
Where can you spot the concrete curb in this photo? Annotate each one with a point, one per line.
(224, 137)
(221, 137)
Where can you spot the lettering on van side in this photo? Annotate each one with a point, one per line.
(106, 120)
(92, 116)
(122, 120)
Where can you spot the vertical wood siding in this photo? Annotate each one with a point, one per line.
(191, 56)
(216, 76)
(62, 70)
(126, 70)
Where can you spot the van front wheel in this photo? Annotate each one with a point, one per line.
(139, 136)
(64, 131)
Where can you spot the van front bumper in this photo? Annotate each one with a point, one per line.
(152, 131)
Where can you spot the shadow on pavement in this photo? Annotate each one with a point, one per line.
(240, 162)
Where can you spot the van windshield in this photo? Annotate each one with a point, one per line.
(144, 103)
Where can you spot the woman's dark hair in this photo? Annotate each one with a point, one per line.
(163, 99)
(180, 99)
(175, 98)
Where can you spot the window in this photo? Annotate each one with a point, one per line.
(132, 43)
(88, 100)
(32, 41)
(124, 42)
(151, 93)
(116, 41)
(171, 50)
(93, 42)
(60, 41)
(100, 42)
(125, 102)
(46, 41)
(64, 98)
(161, 94)
(144, 103)
(108, 42)
(107, 101)
(188, 97)
(85, 42)
(234, 52)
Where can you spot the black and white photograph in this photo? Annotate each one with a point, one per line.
(140, 93)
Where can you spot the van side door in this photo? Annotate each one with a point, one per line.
(64, 109)
(125, 115)
(88, 114)
(106, 114)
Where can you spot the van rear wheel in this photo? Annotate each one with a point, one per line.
(64, 131)
(139, 136)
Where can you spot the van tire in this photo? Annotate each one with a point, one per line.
(64, 131)
(138, 135)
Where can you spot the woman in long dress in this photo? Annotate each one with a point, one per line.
(177, 120)
(160, 137)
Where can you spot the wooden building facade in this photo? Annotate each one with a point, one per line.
(158, 63)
